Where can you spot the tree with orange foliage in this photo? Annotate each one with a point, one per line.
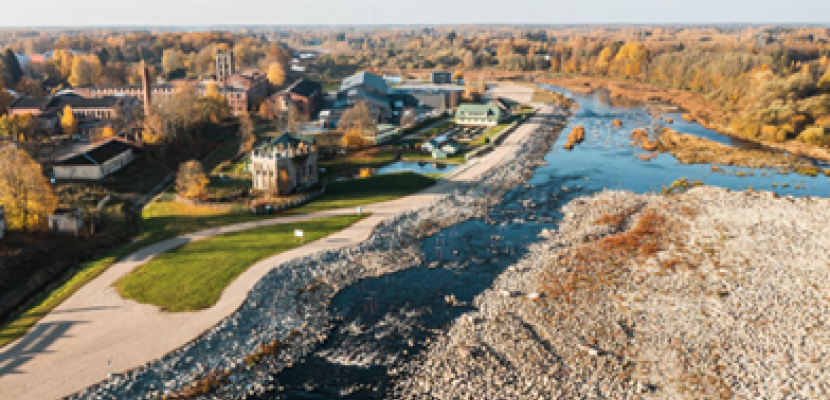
(191, 181)
(24, 191)
(103, 133)
(354, 138)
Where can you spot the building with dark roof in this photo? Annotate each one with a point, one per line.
(440, 77)
(91, 112)
(99, 161)
(304, 94)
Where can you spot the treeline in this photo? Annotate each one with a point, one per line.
(103, 58)
(772, 84)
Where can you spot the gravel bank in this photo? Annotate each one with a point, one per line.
(710, 294)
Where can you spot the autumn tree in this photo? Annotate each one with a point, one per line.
(469, 59)
(191, 181)
(24, 191)
(247, 139)
(357, 118)
(353, 137)
(171, 60)
(824, 82)
(276, 74)
(103, 133)
(85, 71)
(69, 123)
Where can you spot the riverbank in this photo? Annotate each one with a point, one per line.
(691, 149)
(698, 109)
(711, 293)
(286, 313)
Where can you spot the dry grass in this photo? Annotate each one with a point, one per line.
(576, 136)
(202, 386)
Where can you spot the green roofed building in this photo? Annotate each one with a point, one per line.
(292, 141)
(478, 114)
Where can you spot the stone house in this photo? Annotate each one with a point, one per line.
(286, 165)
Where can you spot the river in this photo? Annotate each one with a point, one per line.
(388, 320)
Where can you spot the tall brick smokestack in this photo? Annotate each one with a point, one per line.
(146, 88)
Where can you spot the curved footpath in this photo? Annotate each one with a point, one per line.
(96, 332)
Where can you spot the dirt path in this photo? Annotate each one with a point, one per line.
(96, 332)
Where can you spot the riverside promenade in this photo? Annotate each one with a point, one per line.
(96, 332)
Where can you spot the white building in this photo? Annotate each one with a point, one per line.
(284, 166)
(66, 221)
(96, 163)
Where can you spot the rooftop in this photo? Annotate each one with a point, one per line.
(365, 78)
(99, 154)
(304, 87)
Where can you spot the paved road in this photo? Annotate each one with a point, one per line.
(96, 332)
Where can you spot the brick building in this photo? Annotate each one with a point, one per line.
(239, 89)
(304, 94)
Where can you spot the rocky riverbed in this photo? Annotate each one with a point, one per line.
(288, 313)
(709, 294)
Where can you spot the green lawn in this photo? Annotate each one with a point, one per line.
(193, 276)
(415, 155)
(358, 192)
(362, 158)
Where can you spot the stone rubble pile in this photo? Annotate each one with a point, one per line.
(735, 304)
(290, 305)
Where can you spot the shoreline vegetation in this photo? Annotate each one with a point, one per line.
(695, 106)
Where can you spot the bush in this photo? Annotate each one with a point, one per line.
(815, 135)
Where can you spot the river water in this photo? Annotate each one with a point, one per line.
(388, 320)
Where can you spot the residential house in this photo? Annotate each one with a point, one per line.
(102, 159)
(286, 165)
(478, 115)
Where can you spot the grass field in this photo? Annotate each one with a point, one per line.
(415, 155)
(363, 157)
(365, 191)
(193, 276)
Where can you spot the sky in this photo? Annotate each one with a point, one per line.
(21, 13)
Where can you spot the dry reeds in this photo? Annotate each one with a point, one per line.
(576, 136)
